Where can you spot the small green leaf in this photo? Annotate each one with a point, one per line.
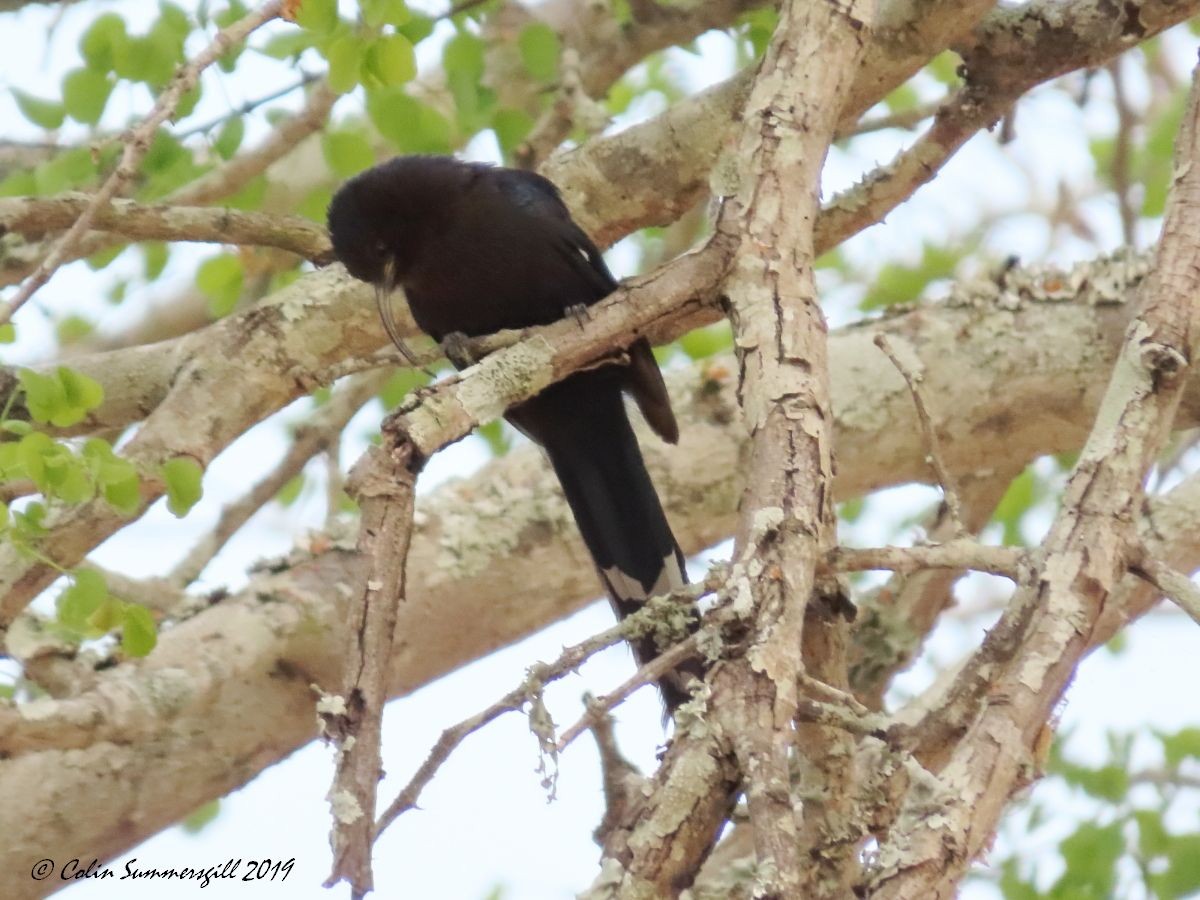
(73, 328)
(1183, 744)
(229, 138)
(139, 632)
(345, 57)
(417, 28)
(44, 395)
(410, 125)
(220, 279)
(46, 114)
(705, 342)
(511, 127)
(8, 333)
(377, 13)
(98, 45)
(496, 437)
(463, 54)
(156, 254)
(391, 60)
(317, 16)
(76, 605)
(287, 44)
(1182, 878)
(539, 47)
(347, 152)
(182, 476)
(82, 392)
(106, 617)
(290, 492)
(201, 816)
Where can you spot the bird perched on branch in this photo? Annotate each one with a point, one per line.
(478, 249)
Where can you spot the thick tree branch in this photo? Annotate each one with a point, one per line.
(34, 216)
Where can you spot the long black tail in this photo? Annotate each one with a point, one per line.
(583, 425)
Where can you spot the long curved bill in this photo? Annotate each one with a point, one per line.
(383, 301)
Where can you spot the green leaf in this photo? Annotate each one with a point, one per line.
(32, 451)
(82, 392)
(182, 476)
(8, 333)
(287, 44)
(496, 437)
(187, 103)
(99, 44)
(150, 59)
(899, 283)
(46, 114)
(1182, 878)
(377, 13)
(1183, 744)
(391, 60)
(410, 125)
(73, 328)
(317, 16)
(417, 28)
(106, 617)
(229, 138)
(347, 152)
(220, 279)
(195, 821)
(67, 170)
(290, 492)
(345, 57)
(139, 632)
(463, 55)
(78, 603)
(705, 342)
(512, 126)
(1091, 855)
(1153, 838)
(45, 396)
(399, 385)
(539, 47)
(1020, 496)
(156, 254)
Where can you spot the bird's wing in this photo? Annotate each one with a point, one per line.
(540, 199)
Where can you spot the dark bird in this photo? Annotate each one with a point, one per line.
(477, 249)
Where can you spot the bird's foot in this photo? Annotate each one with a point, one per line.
(580, 313)
(458, 349)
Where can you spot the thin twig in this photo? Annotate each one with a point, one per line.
(906, 119)
(1127, 121)
(249, 106)
(540, 674)
(913, 374)
(652, 671)
(1175, 586)
(137, 144)
(235, 174)
(961, 553)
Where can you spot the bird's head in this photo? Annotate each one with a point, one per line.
(367, 237)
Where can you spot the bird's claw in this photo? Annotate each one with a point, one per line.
(579, 312)
(457, 347)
